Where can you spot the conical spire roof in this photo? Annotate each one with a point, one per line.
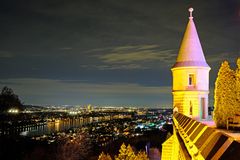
(190, 53)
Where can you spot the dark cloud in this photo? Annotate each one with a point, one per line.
(108, 41)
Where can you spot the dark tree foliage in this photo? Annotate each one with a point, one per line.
(9, 100)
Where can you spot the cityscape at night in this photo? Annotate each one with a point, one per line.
(119, 80)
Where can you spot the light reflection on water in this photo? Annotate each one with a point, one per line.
(57, 125)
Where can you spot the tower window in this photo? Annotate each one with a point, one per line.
(191, 79)
(190, 109)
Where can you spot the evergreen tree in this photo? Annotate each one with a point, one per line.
(104, 156)
(125, 153)
(131, 154)
(225, 95)
(142, 156)
(9, 100)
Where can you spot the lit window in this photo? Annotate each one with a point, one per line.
(191, 79)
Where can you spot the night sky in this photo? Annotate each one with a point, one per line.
(108, 52)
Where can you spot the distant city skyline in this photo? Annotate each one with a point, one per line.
(108, 52)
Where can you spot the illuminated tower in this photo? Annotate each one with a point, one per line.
(191, 76)
(192, 139)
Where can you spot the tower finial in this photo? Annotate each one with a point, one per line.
(190, 10)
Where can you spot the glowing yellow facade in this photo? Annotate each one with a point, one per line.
(191, 76)
(191, 139)
(190, 91)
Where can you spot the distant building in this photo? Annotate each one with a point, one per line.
(89, 108)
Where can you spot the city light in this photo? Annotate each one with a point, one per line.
(13, 111)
